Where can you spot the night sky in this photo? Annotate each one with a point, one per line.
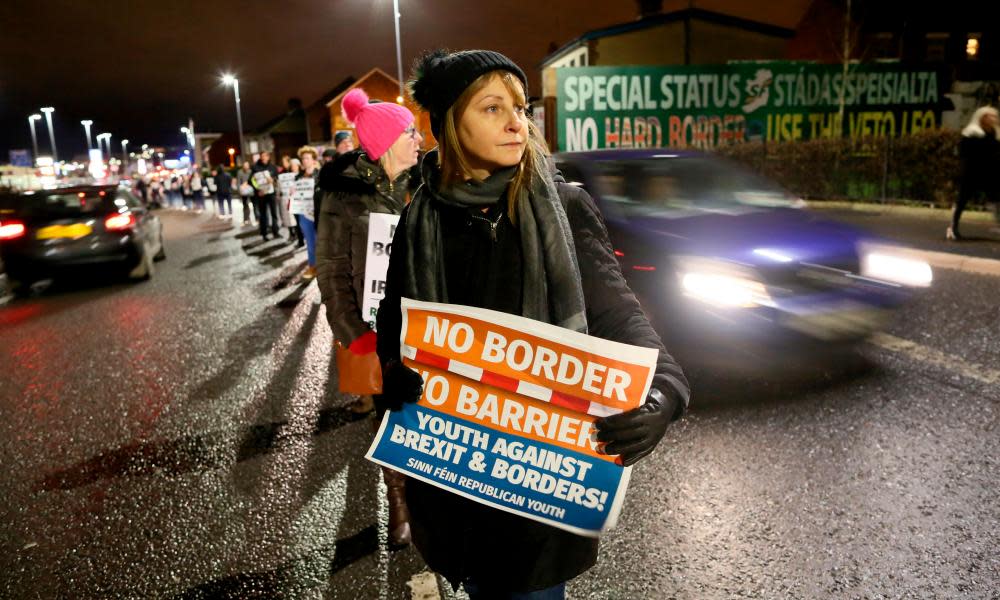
(139, 68)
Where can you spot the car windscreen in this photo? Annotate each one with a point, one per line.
(59, 205)
(663, 185)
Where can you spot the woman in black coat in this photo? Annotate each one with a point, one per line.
(979, 152)
(492, 227)
(374, 179)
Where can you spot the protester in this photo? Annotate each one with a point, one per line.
(246, 193)
(211, 189)
(187, 191)
(979, 153)
(197, 188)
(303, 208)
(494, 227)
(223, 190)
(342, 144)
(372, 180)
(286, 184)
(264, 178)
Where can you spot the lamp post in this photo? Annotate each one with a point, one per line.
(48, 110)
(229, 79)
(399, 53)
(86, 128)
(107, 139)
(34, 138)
(124, 155)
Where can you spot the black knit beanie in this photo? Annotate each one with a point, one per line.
(440, 77)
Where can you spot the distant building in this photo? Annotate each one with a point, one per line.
(379, 85)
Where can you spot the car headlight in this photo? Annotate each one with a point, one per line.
(721, 284)
(895, 265)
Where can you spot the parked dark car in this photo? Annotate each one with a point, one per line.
(726, 261)
(50, 233)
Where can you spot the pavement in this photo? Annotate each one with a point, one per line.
(184, 438)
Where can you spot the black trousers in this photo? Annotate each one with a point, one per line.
(967, 192)
(268, 214)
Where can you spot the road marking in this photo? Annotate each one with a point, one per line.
(937, 358)
(423, 586)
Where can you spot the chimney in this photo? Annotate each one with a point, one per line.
(648, 8)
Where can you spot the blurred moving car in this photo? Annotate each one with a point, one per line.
(726, 261)
(49, 233)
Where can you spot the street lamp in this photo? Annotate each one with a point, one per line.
(107, 139)
(86, 127)
(229, 79)
(399, 53)
(232, 153)
(48, 110)
(34, 138)
(124, 155)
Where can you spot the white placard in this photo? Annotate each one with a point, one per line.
(302, 198)
(381, 228)
(286, 182)
(264, 182)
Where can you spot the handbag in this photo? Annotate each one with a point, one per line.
(359, 374)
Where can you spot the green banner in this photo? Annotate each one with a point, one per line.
(707, 106)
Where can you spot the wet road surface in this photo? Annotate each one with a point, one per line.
(183, 438)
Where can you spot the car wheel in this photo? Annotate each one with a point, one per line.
(162, 254)
(21, 288)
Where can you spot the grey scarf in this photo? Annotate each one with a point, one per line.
(551, 292)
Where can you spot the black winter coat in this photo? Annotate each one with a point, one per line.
(460, 538)
(980, 158)
(357, 189)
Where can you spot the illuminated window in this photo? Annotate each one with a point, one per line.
(972, 46)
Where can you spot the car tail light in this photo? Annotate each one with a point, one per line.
(10, 230)
(119, 222)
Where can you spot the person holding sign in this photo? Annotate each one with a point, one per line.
(373, 179)
(286, 189)
(263, 177)
(494, 227)
(303, 203)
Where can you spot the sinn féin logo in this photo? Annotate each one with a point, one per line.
(757, 90)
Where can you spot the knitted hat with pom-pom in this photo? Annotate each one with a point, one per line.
(379, 125)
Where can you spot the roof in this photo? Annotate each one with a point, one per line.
(672, 17)
(337, 90)
(375, 71)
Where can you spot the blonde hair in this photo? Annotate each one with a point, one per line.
(451, 156)
(307, 150)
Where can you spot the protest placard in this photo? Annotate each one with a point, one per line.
(286, 183)
(263, 182)
(508, 410)
(302, 198)
(381, 228)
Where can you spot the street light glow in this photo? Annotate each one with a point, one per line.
(86, 122)
(35, 117)
(184, 129)
(228, 79)
(48, 109)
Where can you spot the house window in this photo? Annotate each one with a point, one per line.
(883, 45)
(936, 43)
(972, 48)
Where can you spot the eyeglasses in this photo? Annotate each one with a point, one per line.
(411, 131)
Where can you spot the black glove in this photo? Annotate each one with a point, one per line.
(400, 384)
(635, 433)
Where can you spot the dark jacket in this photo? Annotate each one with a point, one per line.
(980, 159)
(460, 538)
(360, 187)
(223, 183)
(260, 166)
